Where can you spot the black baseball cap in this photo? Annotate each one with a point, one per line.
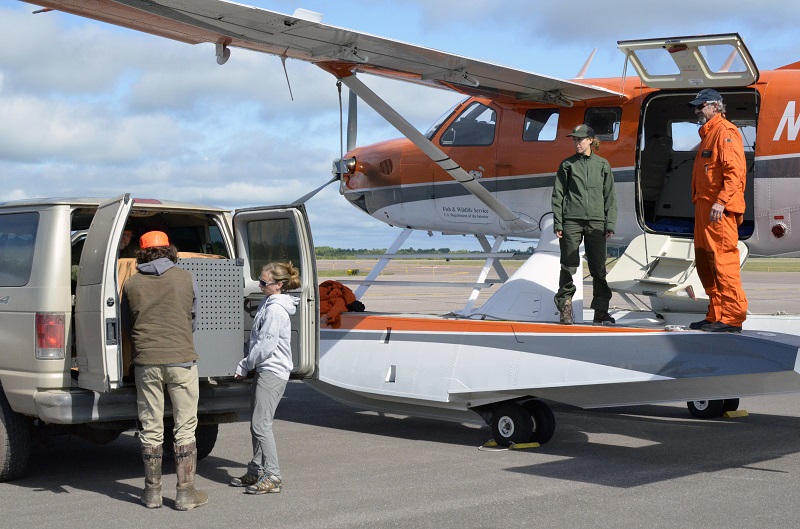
(704, 96)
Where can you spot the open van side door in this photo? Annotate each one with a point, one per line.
(97, 332)
(282, 233)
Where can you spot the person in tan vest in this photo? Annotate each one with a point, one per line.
(159, 309)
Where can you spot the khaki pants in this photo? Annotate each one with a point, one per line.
(184, 391)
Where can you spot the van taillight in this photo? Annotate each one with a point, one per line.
(50, 336)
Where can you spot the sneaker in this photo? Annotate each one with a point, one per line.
(603, 317)
(245, 481)
(720, 327)
(267, 484)
(696, 326)
(566, 313)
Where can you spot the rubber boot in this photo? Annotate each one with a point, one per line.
(151, 496)
(188, 497)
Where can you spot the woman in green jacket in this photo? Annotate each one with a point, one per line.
(584, 209)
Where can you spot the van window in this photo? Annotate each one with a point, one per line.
(541, 124)
(271, 240)
(17, 240)
(217, 241)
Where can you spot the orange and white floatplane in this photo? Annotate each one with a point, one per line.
(501, 359)
(486, 169)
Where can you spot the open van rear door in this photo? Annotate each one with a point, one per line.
(282, 233)
(709, 61)
(97, 332)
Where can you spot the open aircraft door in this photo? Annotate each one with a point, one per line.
(282, 233)
(97, 324)
(710, 61)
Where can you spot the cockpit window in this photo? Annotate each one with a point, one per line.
(438, 123)
(475, 126)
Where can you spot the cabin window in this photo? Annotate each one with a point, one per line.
(474, 126)
(605, 122)
(685, 137)
(541, 124)
(271, 240)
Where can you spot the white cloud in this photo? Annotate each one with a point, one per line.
(90, 109)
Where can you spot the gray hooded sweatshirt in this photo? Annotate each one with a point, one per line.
(269, 346)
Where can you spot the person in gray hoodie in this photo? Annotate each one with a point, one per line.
(270, 355)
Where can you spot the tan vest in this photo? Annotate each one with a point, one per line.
(161, 317)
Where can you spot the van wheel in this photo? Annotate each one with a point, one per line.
(15, 441)
(206, 435)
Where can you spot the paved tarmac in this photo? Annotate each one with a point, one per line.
(767, 292)
(647, 467)
(635, 467)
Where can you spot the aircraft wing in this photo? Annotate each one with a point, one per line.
(300, 37)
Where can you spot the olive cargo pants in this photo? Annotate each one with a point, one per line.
(593, 234)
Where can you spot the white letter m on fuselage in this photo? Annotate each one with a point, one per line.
(789, 121)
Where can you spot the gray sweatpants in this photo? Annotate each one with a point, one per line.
(266, 395)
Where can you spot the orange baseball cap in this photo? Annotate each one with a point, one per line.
(152, 239)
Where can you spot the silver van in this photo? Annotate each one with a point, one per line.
(64, 362)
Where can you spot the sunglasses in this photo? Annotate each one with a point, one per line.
(263, 283)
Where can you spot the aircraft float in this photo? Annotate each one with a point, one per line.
(486, 168)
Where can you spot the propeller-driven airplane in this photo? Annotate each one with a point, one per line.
(487, 167)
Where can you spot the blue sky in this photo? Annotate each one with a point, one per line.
(88, 109)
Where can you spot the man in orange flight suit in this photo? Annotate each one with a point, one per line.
(718, 182)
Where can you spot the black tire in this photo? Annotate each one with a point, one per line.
(206, 435)
(205, 438)
(706, 409)
(101, 436)
(730, 405)
(544, 422)
(15, 441)
(511, 423)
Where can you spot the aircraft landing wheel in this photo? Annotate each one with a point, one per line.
(730, 405)
(706, 409)
(544, 422)
(511, 423)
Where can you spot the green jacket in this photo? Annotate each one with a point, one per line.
(584, 190)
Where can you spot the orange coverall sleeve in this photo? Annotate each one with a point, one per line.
(734, 171)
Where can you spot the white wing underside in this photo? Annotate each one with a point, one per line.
(240, 26)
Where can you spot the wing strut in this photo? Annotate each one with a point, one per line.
(509, 219)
